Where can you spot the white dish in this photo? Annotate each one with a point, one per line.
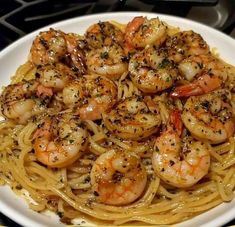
(16, 54)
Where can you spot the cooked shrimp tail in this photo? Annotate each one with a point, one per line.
(205, 73)
(203, 85)
(175, 120)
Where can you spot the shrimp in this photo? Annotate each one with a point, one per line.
(109, 61)
(184, 44)
(151, 71)
(54, 46)
(132, 119)
(181, 163)
(209, 117)
(23, 100)
(141, 32)
(90, 95)
(103, 34)
(54, 76)
(205, 73)
(118, 178)
(60, 140)
(48, 47)
(75, 53)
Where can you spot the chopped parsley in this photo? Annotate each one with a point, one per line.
(165, 62)
(104, 55)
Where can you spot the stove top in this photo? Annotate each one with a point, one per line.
(20, 17)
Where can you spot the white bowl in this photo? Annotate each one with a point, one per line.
(17, 53)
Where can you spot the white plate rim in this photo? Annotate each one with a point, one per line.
(14, 214)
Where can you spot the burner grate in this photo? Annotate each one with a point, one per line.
(27, 20)
(7, 6)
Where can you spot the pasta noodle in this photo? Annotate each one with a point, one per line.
(68, 189)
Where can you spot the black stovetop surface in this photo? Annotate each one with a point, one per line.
(20, 17)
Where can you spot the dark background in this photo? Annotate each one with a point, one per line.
(20, 17)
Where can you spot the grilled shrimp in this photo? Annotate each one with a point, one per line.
(184, 44)
(48, 47)
(75, 56)
(151, 71)
(209, 117)
(181, 163)
(109, 61)
(59, 140)
(91, 95)
(54, 76)
(132, 119)
(141, 32)
(23, 100)
(205, 73)
(118, 178)
(103, 34)
(53, 46)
